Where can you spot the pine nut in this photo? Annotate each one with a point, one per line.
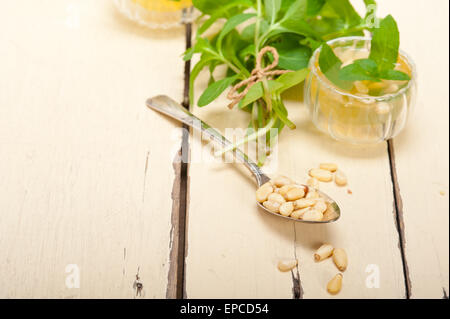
(286, 209)
(281, 181)
(295, 193)
(298, 214)
(321, 206)
(286, 188)
(321, 174)
(272, 206)
(335, 284)
(263, 192)
(277, 198)
(330, 213)
(329, 167)
(340, 259)
(286, 265)
(313, 183)
(304, 202)
(312, 215)
(312, 194)
(323, 252)
(340, 178)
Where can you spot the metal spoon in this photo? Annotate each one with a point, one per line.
(171, 108)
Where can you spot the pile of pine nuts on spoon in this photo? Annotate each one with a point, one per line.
(281, 195)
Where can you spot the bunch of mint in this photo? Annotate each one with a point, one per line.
(295, 28)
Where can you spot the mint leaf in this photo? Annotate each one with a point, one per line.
(294, 19)
(222, 12)
(360, 70)
(232, 23)
(385, 44)
(272, 7)
(256, 92)
(395, 75)
(291, 79)
(345, 10)
(314, 6)
(248, 33)
(294, 58)
(330, 65)
(296, 11)
(207, 6)
(214, 90)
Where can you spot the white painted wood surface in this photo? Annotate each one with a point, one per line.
(85, 170)
(85, 180)
(421, 151)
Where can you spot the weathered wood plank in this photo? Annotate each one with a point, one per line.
(421, 151)
(85, 176)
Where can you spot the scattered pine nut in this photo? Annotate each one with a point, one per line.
(442, 193)
(324, 251)
(349, 191)
(335, 284)
(286, 265)
(340, 178)
(329, 167)
(321, 174)
(340, 259)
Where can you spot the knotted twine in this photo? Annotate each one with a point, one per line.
(258, 75)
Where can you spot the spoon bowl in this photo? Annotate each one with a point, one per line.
(171, 108)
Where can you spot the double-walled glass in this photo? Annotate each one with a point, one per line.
(358, 117)
(157, 14)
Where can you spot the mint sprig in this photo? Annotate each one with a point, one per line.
(378, 66)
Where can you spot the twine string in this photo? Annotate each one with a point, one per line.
(258, 75)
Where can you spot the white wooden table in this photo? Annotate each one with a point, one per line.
(90, 196)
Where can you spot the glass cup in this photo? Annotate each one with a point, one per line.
(355, 116)
(157, 14)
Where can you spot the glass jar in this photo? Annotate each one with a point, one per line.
(157, 13)
(355, 116)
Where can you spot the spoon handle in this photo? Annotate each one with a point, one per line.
(171, 108)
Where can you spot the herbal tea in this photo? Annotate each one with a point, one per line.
(156, 13)
(365, 111)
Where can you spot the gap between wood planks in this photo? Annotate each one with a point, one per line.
(176, 278)
(398, 214)
(178, 248)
